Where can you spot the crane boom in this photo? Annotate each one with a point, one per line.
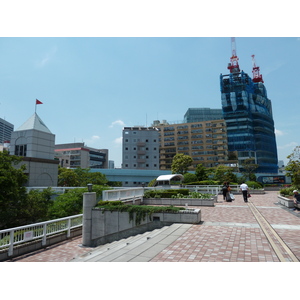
(233, 66)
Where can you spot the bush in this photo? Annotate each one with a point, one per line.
(165, 193)
(254, 184)
(287, 191)
(204, 182)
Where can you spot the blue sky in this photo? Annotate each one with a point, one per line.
(92, 87)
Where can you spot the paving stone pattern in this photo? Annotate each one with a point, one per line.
(228, 232)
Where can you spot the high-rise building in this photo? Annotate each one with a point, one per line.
(205, 142)
(140, 148)
(248, 115)
(6, 129)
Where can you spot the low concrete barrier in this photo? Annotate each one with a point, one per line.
(287, 202)
(180, 202)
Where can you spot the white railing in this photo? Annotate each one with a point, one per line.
(18, 235)
(122, 194)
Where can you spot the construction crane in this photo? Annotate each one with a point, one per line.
(233, 66)
(255, 71)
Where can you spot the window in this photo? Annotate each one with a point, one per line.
(21, 150)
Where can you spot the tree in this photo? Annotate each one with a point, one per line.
(189, 177)
(181, 163)
(248, 168)
(12, 191)
(67, 177)
(38, 204)
(293, 167)
(201, 172)
(224, 173)
(85, 176)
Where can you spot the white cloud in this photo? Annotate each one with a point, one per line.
(46, 58)
(278, 132)
(118, 122)
(289, 145)
(118, 141)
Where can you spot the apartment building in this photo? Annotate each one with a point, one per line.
(140, 148)
(205, 142)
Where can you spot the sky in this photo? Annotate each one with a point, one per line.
(93, 85)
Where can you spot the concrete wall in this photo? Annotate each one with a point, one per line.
(109, 226)
(180, 202)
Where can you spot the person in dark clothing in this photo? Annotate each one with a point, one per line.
(296, 199)
(225, 190)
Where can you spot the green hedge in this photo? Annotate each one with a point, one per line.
(165, 193)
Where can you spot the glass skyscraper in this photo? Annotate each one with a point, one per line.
(248, 115)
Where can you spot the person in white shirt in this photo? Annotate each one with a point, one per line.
(244, 189)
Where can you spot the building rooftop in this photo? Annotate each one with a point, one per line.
(34, 122)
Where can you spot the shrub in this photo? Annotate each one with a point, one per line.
(254, 184)
(287, 191)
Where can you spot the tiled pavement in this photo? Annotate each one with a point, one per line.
(228, 232)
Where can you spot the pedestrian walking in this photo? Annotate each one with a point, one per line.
(244, 190)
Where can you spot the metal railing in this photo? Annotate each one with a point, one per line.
(122, 194)
(18, 235)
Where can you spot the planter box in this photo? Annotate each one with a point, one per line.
(286, 201)
(180, 202)
(107, 226)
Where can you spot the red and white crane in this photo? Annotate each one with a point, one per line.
(233, 66)
(255, 71)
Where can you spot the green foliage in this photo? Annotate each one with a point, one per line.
(293, 167)
(288, 191)
(70, 203)
(224, 173)
(80, 177)
(152, 182)
(67, 177)
(248, 168)
(204, 182)
(189, 177)
(12, 191)
(165, 193)
(37, 205)
(201, 173)
(140, 211)
(85, 177)
(175, 194)
(181, 163)
(254, 184)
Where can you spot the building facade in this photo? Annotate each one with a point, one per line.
(140, 149)
(6, 130)
(202, 114)
(248, 115)
(77, 155)
(34, 142)
(205, 142)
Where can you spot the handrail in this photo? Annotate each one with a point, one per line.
(18, 235)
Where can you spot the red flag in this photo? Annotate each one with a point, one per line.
(38, 101)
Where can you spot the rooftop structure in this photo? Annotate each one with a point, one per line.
(202, 114)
